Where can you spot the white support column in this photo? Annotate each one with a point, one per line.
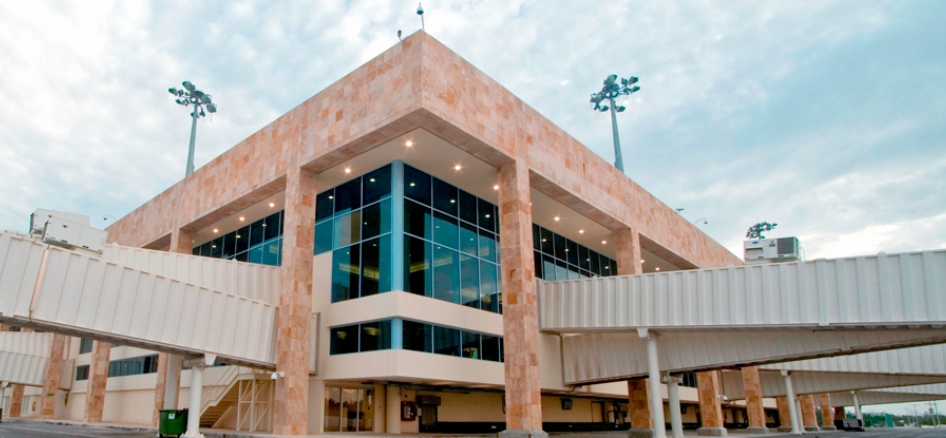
(653, 376)
(673, 393)
(197, 385)
(3, 397)
(857, 406)
(172, 382)
(792, 407)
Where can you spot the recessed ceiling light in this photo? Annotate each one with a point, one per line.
(238, 236)
(242, 218)
(213, 246)
(581, 231)
(658, 268)
(216, 231)
(412, 184)
(372, 180)
(642, 260)
(457, 167)
(331, 197)
(272, 204)
(453, 201)
(604, 242)
(408, 143)
(496, 187)
(487, 215)
(348, 170)
(557, 218)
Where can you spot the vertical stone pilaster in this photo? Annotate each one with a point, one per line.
(51, 381)
(808, 415)
(16, 401)
(4, 328)
(827, 412)
(784, 414)
(98, 377)
(711, 411)
(839, 413)
(752, 383)
(638, 394)
(291, 405)
(165, 397)
(520, 315)
(627, 247)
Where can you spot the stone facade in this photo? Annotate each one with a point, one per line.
(98, 377)
(51, 381)
(752, 383)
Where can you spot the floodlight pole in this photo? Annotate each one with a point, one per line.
(609, 92)
(188, 96)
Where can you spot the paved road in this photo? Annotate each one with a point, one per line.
(39, 430)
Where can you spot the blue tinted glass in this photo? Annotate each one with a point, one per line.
(469, 281)
(323, 237)
(548, 269)
(487, 216)
(273, 226)
(377, 184)
(376, 219)
(216, 247)
(272, 252)
(376, 336)
(345, 273)
(229, 245)
(325, 205)
(417, 336)
(417, 220)
(583, 259)
(446, 341)
(376, 266)
(344, 340)
(488, 246)
(445, 230)
(256, 255)
(416, 185)
(446, 274)
(594, 264)
(468, 239)
(347, 229)
(571, 250)
(445, 197)
(468, 207)
(257, 232)
(243, 239)
(417, 266)
(547, 241)
(348, 196)
(489, 286)
(471, 345)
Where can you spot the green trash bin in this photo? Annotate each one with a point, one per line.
(173, 422)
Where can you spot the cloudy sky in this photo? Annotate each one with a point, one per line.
(826, 117)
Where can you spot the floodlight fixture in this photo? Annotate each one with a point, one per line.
(609, 91)
(420, 12)
(199, 99)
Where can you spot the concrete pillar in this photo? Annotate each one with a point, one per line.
(638, 403)
(98, 377)
(673, 394)
(393, 414)
(51, 381)
(839, 413)
(3, 399)
(520, 315)
(857, 406)
(193, 408)
(827, 412)
(380, 400)
(169, 365)
(752, 383)
(790, 400)
(784, 414)
(16, 401)
(291, 404)
(711, 411)
(808, 414)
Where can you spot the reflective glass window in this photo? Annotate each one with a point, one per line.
(376, 336)
(489, 286)
(229, 245)
(571, 249)
(488, 246)
(376, 266)
(325, 205)
(487, 215)
(256, 255)
(216, 248)
(594, 263)
(376, 219)
(536, 237)
(243, 239)
(468, 207)
(583, 260)
(490, 348)
(273, 226)
(348, 196)
(446, 274)
(417, 219)
(345, 273)
(257, 232)
(547, 242)
(377, 184)
(468, 239)
(445, 230)
(470, 347)
(548, 268)
(417, 266)
(417, 336)
(347, 229)
(272, 252)
(446, 341)
(445, 197)
(416, 185)
(344, 340)
(323, 237)
(469, 281)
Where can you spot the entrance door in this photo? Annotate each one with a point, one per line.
(348, 410)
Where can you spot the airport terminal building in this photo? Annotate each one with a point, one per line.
(403, 218)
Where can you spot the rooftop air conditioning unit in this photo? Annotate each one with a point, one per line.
(780, 250)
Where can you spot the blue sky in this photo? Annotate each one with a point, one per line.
(826, 117)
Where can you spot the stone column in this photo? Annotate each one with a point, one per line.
(169, 365)
(393, 412)
(51, 381)
(784, 415)
(627, 246)
(98, 377)
(754, 408)
(379, 421)
(520, 315)
(291, 405)
(827, 412)
(711, 411)
(16, 401)
(4, 328)
(839, 413)
(809, 417)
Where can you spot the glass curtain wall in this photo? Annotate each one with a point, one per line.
(451, 243)
(259, 242)
(559, 258)
(354, 221)
(349, 409)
